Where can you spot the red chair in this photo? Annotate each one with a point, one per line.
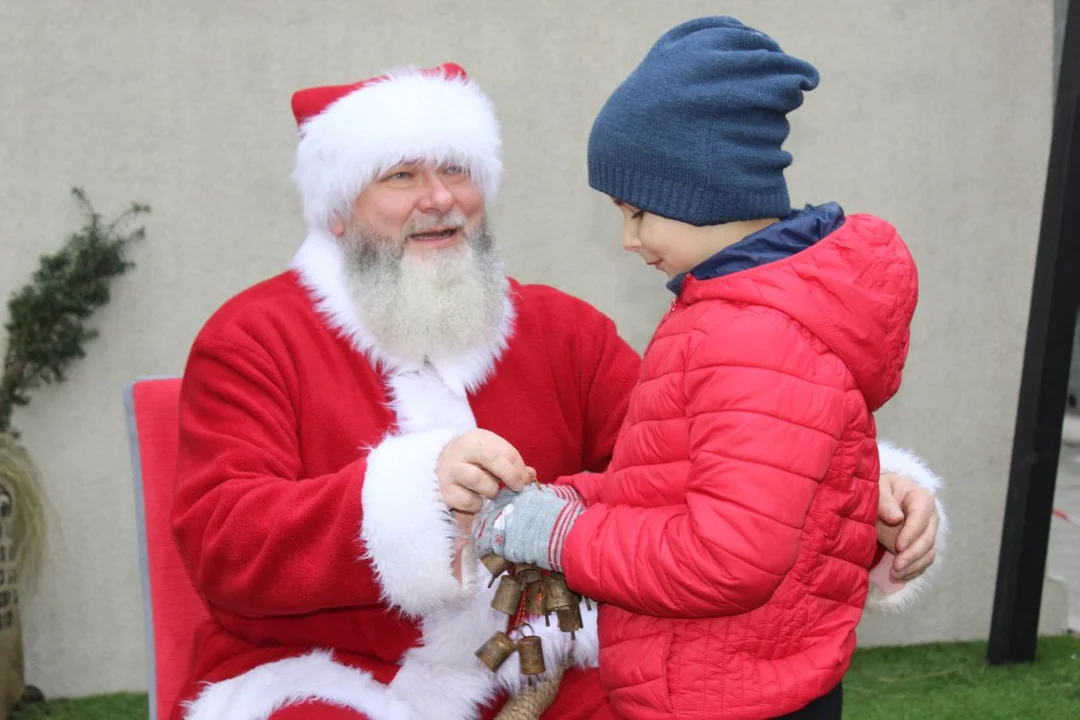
(171, 607)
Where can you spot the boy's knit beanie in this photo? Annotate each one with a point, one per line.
(695, 133)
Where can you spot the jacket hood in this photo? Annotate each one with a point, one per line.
(855, 289)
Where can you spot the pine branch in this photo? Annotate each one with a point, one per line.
(46, 324)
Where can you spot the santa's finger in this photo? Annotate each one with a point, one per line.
(459, 498)
(916, 549)
(504, 463)
(916, 569)
(476, 479)
(886, 536)
(919, 513)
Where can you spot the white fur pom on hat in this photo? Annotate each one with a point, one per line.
(352, 134)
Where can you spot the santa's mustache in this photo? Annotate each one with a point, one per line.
(427, 223)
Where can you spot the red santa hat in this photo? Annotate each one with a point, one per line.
(352, 134)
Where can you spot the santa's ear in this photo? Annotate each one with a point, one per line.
(337, 227)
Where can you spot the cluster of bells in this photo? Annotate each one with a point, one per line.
(544, 593)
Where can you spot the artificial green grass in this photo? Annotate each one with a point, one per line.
(953, 681)
(921, 682)
(122, 706)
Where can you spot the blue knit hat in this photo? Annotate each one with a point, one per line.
(695, 133)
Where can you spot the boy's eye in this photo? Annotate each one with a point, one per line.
(638, 215)
(399, 175)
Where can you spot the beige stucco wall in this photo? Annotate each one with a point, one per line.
(935, 115)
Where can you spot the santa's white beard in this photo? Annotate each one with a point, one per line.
(436, 302)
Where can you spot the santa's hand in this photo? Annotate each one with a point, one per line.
(528, 527)
(474, 466)
(907, 525)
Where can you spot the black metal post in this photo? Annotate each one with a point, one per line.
(1044, 382)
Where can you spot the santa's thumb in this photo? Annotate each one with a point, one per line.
(890, 511)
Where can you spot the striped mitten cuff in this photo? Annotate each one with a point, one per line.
(532, 528)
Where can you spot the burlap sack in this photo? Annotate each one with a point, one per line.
(11, 653)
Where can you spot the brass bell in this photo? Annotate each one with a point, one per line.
(556, 594)
(494, 652)
(496, 565)
(507, 595)
(569, 618)
(534, 599)
(527, 573)
(531, 655)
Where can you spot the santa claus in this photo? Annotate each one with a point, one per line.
(336, 418)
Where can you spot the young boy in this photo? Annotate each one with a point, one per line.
(731, 538)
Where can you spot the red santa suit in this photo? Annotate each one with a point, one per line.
(306, 507)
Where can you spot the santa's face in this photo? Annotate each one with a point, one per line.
(421, 265)
(426, 208)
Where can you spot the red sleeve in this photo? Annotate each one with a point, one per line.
(259, 539)
(761, 438)
(607, 369)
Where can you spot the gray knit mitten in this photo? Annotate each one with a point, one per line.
(530, 526)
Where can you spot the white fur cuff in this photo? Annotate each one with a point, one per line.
(407, 532)
(886, 596)
(904, 462)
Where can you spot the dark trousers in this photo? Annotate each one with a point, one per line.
(827, 707)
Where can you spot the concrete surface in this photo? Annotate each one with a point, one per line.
(1064, 556)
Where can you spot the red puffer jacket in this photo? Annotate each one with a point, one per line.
(732, 535)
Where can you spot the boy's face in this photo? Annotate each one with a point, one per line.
(670, 246)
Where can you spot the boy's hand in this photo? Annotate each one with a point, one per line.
(530, 526)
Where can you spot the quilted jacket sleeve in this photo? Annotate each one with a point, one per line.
(762, 435)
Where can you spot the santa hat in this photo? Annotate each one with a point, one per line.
(352, 134)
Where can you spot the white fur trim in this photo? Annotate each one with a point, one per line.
(423, 401)
(904, 462)
(440, 679)
(407, 532)
(888, 597)
(408, 116)
(320, 265)
(443, 677)
(258, 693)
